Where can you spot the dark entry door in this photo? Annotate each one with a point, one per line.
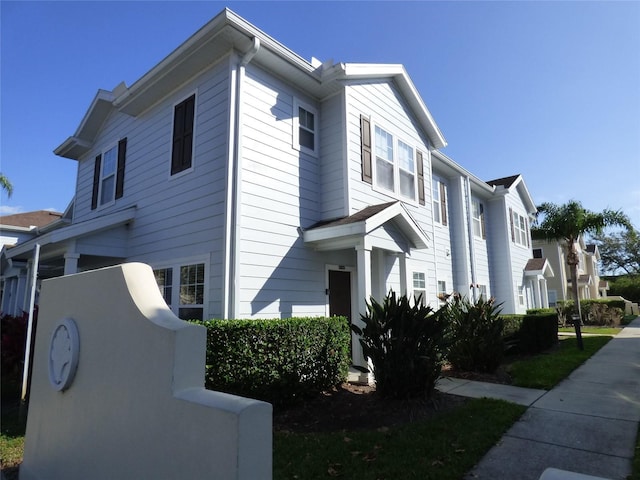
(340, 293)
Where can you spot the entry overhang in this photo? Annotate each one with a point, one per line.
(351, 231)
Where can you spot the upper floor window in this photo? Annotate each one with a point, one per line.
(182, 145)
(108, 175)
(439, 201)
(519, 229)
(478, 218)
(305, 128)
(395, 165)
(537, 253)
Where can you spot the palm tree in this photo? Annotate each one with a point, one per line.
(566, 223)
(5, 184)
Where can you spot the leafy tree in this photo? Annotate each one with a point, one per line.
(5, 184)
(567, 223)
(620, 251)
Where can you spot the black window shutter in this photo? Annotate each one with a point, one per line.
(96, 182)
(122, 156)
(420, 177)
(443, 203)
(183, 135)
(513, 232)
(365, 141)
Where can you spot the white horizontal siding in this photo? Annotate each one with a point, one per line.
(278, 274)
(174, 216)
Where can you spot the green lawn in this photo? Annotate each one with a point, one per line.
(548, 368)
(592, 330)
(442, 448)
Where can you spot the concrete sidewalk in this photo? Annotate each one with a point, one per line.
(587, 424)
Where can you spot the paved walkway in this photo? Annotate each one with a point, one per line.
(586, 424)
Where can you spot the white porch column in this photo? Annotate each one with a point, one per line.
(544, 292)
(364, 294)
(402, 257)
(537, 302)
(71, 263)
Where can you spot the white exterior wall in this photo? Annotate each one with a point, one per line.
(333, 168)
(180, 216)
(519, 255)
(278, 275)
(385, 106)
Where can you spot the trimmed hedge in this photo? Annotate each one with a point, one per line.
(597, 311)
(279, 360)
(538, 332)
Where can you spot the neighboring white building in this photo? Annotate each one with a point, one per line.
(261, 185)
(589, 283)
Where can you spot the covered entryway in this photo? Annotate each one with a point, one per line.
(382, 236)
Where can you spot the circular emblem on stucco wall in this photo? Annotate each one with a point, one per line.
(64, 350)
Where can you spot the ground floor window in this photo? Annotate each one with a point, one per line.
(482, 291)
(420, 287)
(553, 298)
(442, 290)
(520, 295)
(183, 288)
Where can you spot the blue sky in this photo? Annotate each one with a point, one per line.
(550, 90)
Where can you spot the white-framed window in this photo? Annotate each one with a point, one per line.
(395, 165)
(519, 229)
(108, 175)
(305, 128)
(552, 295)
(442, 290)
(420, 287)
(521, 299)
(482, 291)
(439, 194)
(183, 287)
(477, 213)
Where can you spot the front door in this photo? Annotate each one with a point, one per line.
(340, 293)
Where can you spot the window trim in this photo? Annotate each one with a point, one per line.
(422, 289)
(519, 236)
(478, 221)
(97, 192)
(443, 210)
(175, 266)
(189, 169)
(416, 153)
(297, 104)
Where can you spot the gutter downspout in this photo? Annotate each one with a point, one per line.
(32, 302)
(230, 298)
(472, 250)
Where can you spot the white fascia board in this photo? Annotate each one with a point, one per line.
(475, 181)
(398, 73)
(328, 233)
(408, 225)
(77, 230)
(227, 25)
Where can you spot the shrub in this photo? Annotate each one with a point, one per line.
(538, 311)
(406, 344)
(13, 343)
(538, 332)
(476, 335)
(603, 315)
(280, 360)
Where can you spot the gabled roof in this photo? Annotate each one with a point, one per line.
(505, 182)
(38, 218)
(538, 266)
(350, 230)
(515, 182)
(229, 32)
